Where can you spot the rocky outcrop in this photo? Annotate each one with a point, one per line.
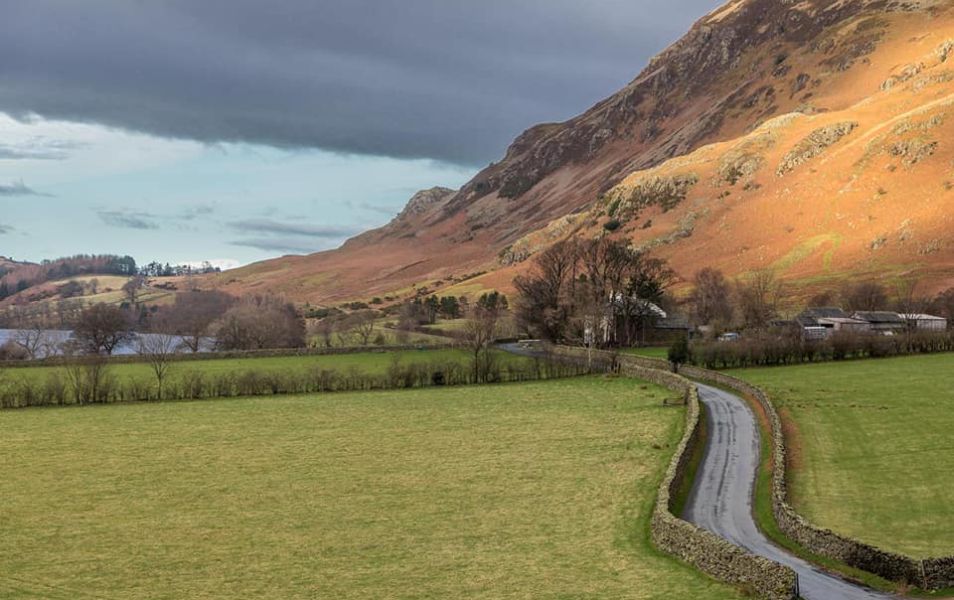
(814, 145)
(424, 201)
(739, 164)
(944, 51)
(907, 73)
(627, 200)
(649, 110)
(913, 151)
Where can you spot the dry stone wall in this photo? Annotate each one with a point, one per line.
(706, 551)
(927, 574)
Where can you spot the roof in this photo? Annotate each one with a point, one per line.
(844, 321)
(921, 317)
(825, 312)
(806, 321)
(643, 306)
(672, 322)
(876, 316)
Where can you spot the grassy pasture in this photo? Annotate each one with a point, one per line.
(538, 490)
(386, 329)
(872, 447)
(372, 363)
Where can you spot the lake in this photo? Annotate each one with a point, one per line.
(53, 338)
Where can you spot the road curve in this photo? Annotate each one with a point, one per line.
(721, 497)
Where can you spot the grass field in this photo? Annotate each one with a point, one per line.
(364, 362)
(872, 447)
(391, 337)
(536, 490)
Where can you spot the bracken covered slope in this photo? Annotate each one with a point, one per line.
(813, 137)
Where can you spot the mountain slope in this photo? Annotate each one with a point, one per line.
(809, 136)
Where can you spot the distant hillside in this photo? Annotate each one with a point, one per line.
(814, 138)
(19, 277)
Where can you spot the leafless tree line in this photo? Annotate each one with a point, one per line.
(576, 286)
(754, 301)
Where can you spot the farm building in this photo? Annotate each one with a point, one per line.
(668, 329)
(636, 322)
(922, 322)
(883, 322)
(819, 323)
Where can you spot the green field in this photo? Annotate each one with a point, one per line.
(365, 362)
(538, 490)
(385, 328)
(872, 447)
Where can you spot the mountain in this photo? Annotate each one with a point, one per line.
(813, 137)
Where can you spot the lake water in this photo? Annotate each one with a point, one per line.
(56, 337)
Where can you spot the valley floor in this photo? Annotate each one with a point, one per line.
(872, 447)
(367, 363)
(538, 490)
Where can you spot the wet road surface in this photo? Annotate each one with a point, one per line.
(721, 497)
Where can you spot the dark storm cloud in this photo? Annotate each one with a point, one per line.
(268, 226)
(18, 188)
(453, 81)
(127, 219)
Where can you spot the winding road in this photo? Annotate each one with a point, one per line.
(721, 497)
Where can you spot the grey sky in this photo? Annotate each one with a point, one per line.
(184, 130)
(441, 79)
(18, 188)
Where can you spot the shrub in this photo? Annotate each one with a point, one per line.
(781, 349)
(89, 381)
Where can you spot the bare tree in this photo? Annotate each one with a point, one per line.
(364, 322)
(480, 331)
(35, 341)
(88, 376)
(100, 328)
(823, 299)
(159, 349)
(711, 298)
(545, 295)
(131, 288)
(260, 322)
(192, 315)
(344, 330)
(595, 281)
(865, 295)
(325, 330)
(648, 280)
(906, 299)
(758, 298)
(943, 304)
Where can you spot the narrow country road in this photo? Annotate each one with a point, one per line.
(721, 497)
